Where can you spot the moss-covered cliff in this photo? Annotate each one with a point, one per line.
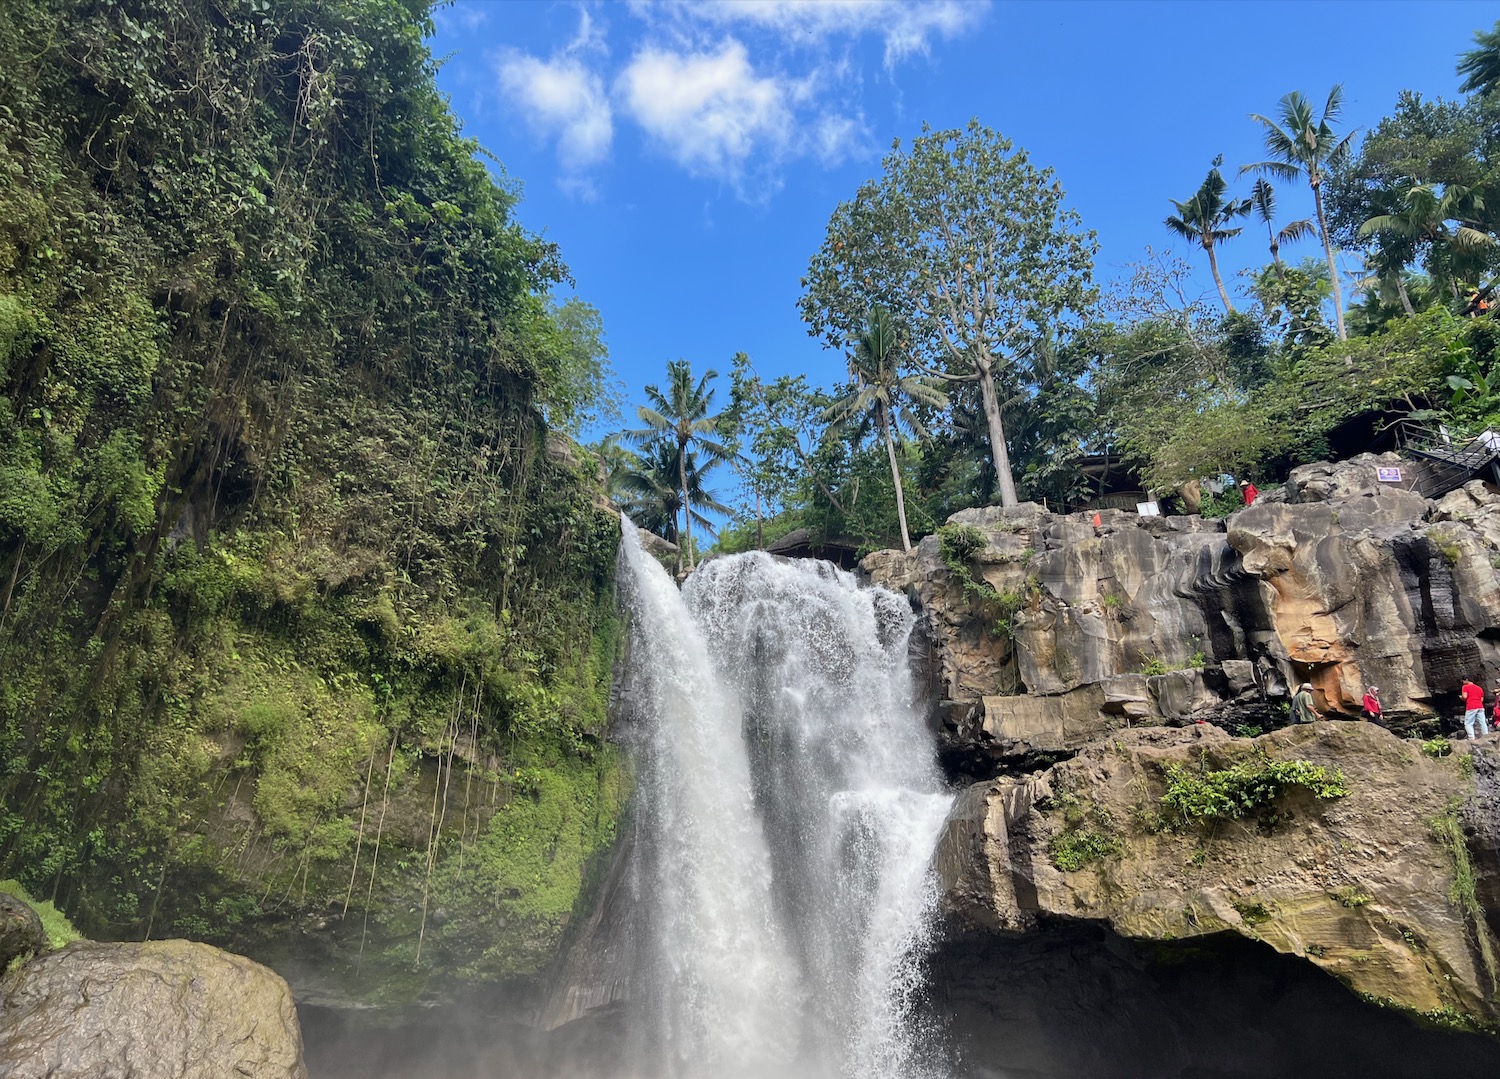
(306, 618)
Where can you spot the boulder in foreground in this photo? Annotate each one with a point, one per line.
(168, 1009)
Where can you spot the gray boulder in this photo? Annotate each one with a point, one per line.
(167, 1009)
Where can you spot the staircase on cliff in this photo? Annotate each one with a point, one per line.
(1446, 465)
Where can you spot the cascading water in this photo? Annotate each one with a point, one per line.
(789, 806)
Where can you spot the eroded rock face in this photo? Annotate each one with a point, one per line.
(1339, 580)
(159, 1010)
(1358, 885)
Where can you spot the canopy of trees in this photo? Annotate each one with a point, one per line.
(984, 277)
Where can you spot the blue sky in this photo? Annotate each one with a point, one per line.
(686, 157)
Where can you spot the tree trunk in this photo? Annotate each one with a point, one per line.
(1333, 271)
(687, 510)
(1276, 253)
(890, 451)
(999, 454)
(1213, 265)
(1405, 299)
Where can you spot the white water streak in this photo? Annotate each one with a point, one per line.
(789, 808)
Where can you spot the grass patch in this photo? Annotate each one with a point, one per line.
(1075, 850)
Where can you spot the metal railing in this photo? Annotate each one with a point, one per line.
(1448, 464)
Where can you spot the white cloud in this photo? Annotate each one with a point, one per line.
(717, 117)
(709, 110)
(562, 98)
(905, 25)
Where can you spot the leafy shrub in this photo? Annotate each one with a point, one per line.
(1351, 897)
(1437, 747)
(1234, 792)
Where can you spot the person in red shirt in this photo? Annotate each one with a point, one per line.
(1371, 705)
(1473, 709)
(1248, 491)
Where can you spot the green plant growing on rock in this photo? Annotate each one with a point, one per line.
(1253, 913)
(1437, 748)
(1445, 545)
(1244, 788)
(1088, 833)
(1351, 897)
(1073, 850)
(55, 923)
(957, 546)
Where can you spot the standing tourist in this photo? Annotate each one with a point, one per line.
(1248, 491)
(1370, 707)
(1302, 705)
(1473, 697)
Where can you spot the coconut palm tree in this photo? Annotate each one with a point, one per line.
(882, 396)
(649, 489)
(1433, 218)
(681, 417)
(1263, 200)
(1204, 219)
(1481, 67)
(1304, 146)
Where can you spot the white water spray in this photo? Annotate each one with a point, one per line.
(789, 805)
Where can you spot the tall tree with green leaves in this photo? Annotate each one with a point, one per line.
(1480, 66)
(1263, 201)
(881, 395)
(1437, 222)
(682, 416)
(968, 245)
(1204, 219)
(1304, 146)
(649, 490)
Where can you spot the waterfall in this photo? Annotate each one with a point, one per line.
(789, 804)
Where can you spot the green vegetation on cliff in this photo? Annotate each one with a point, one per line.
(305, 598)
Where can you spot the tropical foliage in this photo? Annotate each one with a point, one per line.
(293, 542)
(1051, 388)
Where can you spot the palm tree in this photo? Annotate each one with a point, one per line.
(648, 489)
(1263, 200)
(681, 418)
(1307, 148)
(881, 395)
(1481, 67)
(1204, 217)
(1421, 222)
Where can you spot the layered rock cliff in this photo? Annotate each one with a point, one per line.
(1063, 654)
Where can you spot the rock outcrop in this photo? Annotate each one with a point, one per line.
(1363, 885)
(1075, 664)
(1338, 579)
(160, 1010)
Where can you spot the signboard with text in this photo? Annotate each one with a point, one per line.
(1388, 475)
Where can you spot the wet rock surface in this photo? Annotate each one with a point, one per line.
(159, 1010)
(21, 931)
